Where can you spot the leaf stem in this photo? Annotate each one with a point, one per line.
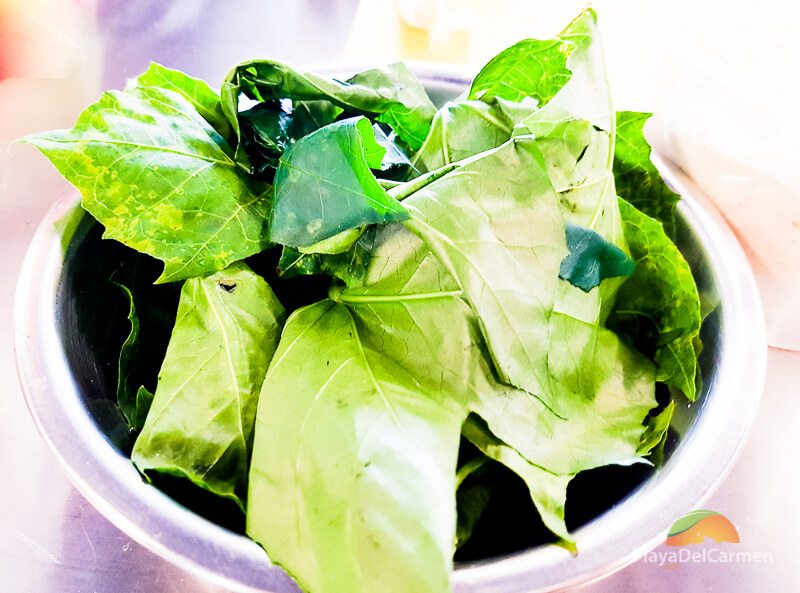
(401, 192)
(336, 293)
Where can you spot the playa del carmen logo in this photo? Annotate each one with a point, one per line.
(704, 537)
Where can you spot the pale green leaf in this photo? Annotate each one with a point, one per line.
(352, 482)
(462, 129)
(495, 223)
(414, 311)
(200, 424)
(548, 490)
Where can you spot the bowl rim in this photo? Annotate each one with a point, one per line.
(111, 483)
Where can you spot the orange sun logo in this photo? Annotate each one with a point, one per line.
(695, 527)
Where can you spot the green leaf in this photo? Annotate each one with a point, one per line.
(600, 378)
(265, 135)
(548, 490)
(200, 425)
(659, 304)
(638, 181)
(133, 400)
(202, 97)
(335, 244)
(575, 132)
(461, 130)
(512, 87)
(126, 390)
(268, 130)
(533, 68)
(324, 186)
(349, 266)
(161, 180)
(655, 434)
(151, 314)
(352, 482)
(592, 259)
(415, 312)
(495, 223)
(394, 156)
(472, 498)
(392, 94)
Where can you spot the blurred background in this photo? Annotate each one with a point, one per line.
(722, 77)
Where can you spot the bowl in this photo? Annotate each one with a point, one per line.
(63, 380)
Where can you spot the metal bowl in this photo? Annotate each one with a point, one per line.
(59, 376)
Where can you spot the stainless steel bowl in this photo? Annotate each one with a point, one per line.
(56, 372)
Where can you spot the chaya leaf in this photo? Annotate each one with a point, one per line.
(265, 136)
(414, 311)
(392, 94)
(269, 129)
(349, 266)
(592, 259)
(201, 96)
(394, 157)
(472, 498)
(548, 490)
(352, 480)
(460, 130)
(533, 68)
(133, 402)
(161, 180)
(575, 132)
(509, 90)
(495, 223)
(659, 305)
(200, 424)
(151, 315)
(638, 181)
(324, 186)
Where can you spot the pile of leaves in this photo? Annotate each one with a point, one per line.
(498, 279)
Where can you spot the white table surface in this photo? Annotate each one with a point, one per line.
(51, 539)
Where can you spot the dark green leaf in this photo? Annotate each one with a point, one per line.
(349, 266)
(638, 181)
(151, 315)
(592, 259)
(661, 296)
(265, 134)
(268, 130)
(133, 398)
(391, 94)
(394, 156)
(324, 186)
(200, 424)
(162, 181)
(472, 498)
